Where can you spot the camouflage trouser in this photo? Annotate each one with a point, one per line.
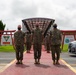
(48, 47)
(37, 51)
(28, 46)
(19, 52)
(55, 49)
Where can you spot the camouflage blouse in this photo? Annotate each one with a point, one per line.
(55, 37)
(19, 37)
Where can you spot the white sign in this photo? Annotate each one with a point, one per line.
(6, 40)
(68, 38)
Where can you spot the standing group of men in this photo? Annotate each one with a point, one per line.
(55, 39)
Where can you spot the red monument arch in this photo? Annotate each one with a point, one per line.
(67, 32)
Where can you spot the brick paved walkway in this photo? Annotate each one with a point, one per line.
(45, 68)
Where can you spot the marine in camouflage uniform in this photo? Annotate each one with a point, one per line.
(55, 44)
(47, 42)
(19, 37)
(37, 44)
(28, 42)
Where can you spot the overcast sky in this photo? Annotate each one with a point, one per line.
(12, 12)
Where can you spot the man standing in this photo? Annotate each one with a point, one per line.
(47, 42)
(19, 38)
(28, 41)
(55, 44)
(37, 44)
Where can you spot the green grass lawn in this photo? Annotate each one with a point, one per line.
(6, 48)
(65, 48)
(10, 48)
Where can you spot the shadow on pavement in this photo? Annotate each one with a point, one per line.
(42, 65)
(22, 65)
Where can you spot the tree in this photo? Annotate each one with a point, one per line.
(2, 27)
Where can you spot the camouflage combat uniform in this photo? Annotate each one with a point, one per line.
(55, 44)
(19, 44)
(28, 42)
(37, 43)
(47, 43)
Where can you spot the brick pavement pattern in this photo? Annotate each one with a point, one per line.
(45, 68)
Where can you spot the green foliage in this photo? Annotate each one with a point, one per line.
(2, 26)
